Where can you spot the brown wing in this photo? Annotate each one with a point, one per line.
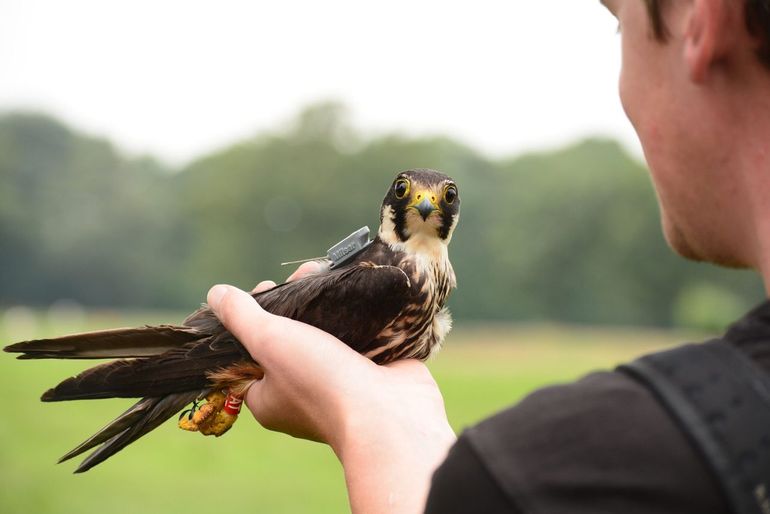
(353, 303)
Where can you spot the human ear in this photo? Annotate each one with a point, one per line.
(707, 37)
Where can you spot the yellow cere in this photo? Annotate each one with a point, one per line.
(431, 195)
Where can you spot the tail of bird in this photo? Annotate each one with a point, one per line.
(158, 364)
(143, 417)
(107, 344)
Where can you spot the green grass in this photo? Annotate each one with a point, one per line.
(482, 369)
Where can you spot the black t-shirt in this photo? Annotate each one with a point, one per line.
(600, 445)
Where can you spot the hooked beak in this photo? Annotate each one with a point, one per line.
(425, 207)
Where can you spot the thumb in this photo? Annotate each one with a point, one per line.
(238, 312)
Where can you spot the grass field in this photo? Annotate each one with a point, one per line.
(482, 369)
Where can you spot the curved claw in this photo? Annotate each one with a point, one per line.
(190, 411)
(215, 417)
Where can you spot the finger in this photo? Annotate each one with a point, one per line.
(260, 403)
(308, 268)
(239, 313)
(270, 410)
(263, 286)
(260, 332)
(255, 402)
(275, 341)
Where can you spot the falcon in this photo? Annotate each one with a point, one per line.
(387, 302)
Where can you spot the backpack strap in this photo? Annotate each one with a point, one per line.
(721, 400)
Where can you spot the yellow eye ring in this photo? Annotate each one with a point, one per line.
(450, 194)
(401, 188)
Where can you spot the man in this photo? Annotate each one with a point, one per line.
(696, 86)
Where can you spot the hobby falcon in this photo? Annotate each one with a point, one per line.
(387, 303)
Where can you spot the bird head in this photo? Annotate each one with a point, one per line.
(422, 206)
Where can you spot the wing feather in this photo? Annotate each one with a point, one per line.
(353, 303)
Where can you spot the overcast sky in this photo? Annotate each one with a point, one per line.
(179, 78)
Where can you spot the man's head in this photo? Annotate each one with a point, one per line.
(696, 86)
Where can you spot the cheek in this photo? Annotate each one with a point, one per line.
(640, 81)
(631, 85)
(640, 100)
(627, 96)
(645, 124)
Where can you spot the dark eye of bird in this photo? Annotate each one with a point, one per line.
(401, 188)
(450, 194)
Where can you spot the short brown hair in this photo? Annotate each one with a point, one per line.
(757, 17)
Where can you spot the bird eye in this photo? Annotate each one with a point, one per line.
(401, 188)
(450, 193)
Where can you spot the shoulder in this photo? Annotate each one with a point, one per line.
(601, 444)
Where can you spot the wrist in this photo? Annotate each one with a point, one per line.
(389, 457)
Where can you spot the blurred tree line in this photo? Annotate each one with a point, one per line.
(570, 235)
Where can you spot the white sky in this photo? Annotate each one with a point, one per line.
(179, 78)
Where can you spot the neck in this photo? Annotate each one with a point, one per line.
(763, 249)
(744, 212)
(418, 244)
(755, 167)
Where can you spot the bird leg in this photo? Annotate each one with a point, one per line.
(215, 417)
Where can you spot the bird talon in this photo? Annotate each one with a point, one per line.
(215, 417)
(186, 423)
(204, 413)
(189, 411)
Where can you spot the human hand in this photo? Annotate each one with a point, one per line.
(385, 423)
